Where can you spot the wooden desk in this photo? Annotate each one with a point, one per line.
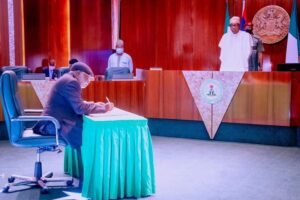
(127, 95)
(266, 98)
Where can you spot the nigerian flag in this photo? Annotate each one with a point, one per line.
(293, 46)
(227, 18)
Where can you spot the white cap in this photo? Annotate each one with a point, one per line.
(235, 20)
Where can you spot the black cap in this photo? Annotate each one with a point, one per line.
(72, 61)
(80, 66)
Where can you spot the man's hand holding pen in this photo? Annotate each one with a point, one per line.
(108, 105)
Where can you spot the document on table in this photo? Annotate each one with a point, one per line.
(115, 114)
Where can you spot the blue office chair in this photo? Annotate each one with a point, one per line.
(21, 136)
(118, 73)
(61, 71)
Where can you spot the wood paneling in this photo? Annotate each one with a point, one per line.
(91, 32)
(261, 98)
(19, 33)
(4, 49)
(168, 96)
(182, 34)
(127, 95)
(295, 99)
(47, 31)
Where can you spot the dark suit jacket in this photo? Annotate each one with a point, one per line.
(47, 73)
(67, 106)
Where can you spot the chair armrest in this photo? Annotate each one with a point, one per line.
(33, 110)
(24, 118)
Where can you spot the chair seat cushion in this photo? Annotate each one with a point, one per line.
(30, 139)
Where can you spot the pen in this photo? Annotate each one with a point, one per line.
(107, 99)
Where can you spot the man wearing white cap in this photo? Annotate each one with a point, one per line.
(235, 48)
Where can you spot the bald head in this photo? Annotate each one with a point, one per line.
(120, 47)
(120, 44)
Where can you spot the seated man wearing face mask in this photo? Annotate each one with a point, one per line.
(67, 106)
(119, 63)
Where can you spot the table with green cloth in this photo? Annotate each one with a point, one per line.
(117, 158)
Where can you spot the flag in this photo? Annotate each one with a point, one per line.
(244, 19)
(293, 46)
(227, 18)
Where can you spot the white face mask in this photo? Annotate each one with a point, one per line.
(83, 79)
(119, 50)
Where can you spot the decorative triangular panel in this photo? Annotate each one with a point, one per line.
(212, 93)
(42, 89)
(230, 82)
(194, 80)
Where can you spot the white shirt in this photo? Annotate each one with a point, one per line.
(123, 60)
(51, 70)
(235, 51)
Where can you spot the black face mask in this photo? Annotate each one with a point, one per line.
(249, 31)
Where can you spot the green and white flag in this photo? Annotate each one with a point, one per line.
(227, 18)
(293, 45)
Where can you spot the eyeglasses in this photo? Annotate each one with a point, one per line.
(234, 24)
(88, 77)
(91, 78)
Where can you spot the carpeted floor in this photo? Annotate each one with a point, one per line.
(186, 170)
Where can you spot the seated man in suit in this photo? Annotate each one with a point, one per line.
(49, 71)
(119, 62)
(67, 106)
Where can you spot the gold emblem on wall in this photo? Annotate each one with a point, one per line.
(271, 24)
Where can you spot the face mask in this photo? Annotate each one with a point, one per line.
(84, 80)
(119, 50)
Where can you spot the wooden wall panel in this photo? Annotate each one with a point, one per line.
(91, 32)
(4, 50)
(167, 96)
(182, 34)
(261, 98)
(19, 33)
(127, 95)
(47, 31)
(295, 99)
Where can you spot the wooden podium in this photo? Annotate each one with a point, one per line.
(263, 98)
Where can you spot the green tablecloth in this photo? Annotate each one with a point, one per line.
(73, 162)
(117, 159)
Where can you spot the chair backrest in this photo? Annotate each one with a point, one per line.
(113, 71)
(61, 71)
(11, 105)
(19, 70)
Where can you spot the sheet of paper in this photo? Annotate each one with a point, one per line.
(115, 114)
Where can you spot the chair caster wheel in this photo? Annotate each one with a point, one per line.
(50, 175)
(5, 189)
(44, 191)
(70, 183)
(11, 179)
